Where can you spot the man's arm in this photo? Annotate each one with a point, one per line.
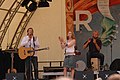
(96, 44)
(86, 43)
(37, 44)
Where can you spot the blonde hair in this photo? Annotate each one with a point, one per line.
(73, 35)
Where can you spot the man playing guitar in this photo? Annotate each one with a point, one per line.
(30, 41)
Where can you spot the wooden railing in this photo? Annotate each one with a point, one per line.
(60, 64)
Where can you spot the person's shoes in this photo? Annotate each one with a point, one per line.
(88, 69)
(101, 68)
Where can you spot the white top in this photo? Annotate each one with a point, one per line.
(26, 43)
(70, 50)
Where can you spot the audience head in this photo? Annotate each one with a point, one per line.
(63, 78)
(114, 77)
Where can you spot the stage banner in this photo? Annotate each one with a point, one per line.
(69, 15)
(85, 16)
(88, 15)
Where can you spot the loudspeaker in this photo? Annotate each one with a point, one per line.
(115, 65)
(84, 75)
(105, 74)
(15, 76)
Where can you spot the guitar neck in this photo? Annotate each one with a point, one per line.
(38, 49)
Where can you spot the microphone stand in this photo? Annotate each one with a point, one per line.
(111, 50)
(111, 46)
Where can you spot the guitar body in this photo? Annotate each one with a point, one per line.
(12, 70)
(23, 52)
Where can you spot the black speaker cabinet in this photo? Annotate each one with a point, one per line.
(115, 65)
(105, 74)
(84, 75)
(15, 76)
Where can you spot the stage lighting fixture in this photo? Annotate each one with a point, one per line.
(25, 2)
(43, 3)
(49, 0)
(30, 5)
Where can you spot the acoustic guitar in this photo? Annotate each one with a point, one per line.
(24, 52)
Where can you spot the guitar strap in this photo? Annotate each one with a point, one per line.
(34, 43)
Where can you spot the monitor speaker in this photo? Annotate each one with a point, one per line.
(84, 75)
(105, 74)
(15, 76)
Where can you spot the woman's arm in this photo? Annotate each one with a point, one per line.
(62, 42)
(73, 42)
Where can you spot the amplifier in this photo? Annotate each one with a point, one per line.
(105, 74)
(15, 76)
(84, 75)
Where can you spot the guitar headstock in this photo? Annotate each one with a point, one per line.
(47, 48)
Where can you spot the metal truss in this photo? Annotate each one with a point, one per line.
(1, 2)
(20, 29)
(8, 19)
